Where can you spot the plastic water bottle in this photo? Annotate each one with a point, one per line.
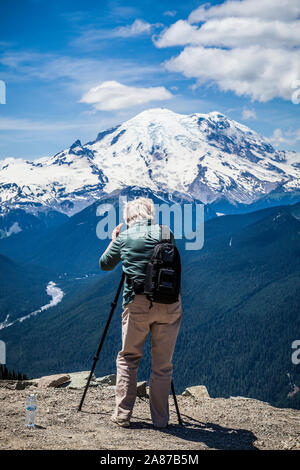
(30, 411)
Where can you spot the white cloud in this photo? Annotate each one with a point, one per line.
(112, 95)
(289, 137)
(178, 34)
(232, 32)
(259, 73)
(170, 13)
(250, 47)
(248, 114)
(286, 10)
(135, 29)
(91, 38)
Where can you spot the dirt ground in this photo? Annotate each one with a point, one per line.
(234, 423)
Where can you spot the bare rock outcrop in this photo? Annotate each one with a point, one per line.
(209, 423)
(198, 391)
(53, 380)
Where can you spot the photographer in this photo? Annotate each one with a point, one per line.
(134, 248)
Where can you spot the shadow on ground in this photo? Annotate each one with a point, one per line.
(210, 434)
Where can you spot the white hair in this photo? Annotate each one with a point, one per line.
(140, 208)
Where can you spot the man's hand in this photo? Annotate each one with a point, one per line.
(116, 232)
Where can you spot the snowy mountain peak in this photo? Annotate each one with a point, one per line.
(76, 144)
(154, 113)
(217, 115)
(206, 156)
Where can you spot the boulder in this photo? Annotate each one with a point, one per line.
(198, 391)
(107, 380)
(78, 380)
(53, 380)
(31, 383)
(141, 390)
(13, 384)
(93, 383)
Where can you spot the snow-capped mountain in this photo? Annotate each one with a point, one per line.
(207, 156)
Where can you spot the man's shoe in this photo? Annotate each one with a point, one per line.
(160, 427)
(123, 423)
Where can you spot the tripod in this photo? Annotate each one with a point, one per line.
(96, 357)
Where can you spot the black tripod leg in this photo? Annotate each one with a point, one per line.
(176, 404)
(113, 306)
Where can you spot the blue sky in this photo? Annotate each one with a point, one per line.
(74, 68)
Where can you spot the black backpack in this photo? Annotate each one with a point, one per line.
(163, 272)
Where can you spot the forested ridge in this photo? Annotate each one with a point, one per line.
(240, 296)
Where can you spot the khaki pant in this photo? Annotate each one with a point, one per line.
(138, 320)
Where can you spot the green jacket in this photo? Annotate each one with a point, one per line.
(134, 248)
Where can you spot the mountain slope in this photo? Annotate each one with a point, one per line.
(15, 221)
(22, 232)
(207, 156)
(22, 288)
(73, 247)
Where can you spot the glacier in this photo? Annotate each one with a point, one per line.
(206, 156)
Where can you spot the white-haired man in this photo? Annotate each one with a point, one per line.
(134, 247)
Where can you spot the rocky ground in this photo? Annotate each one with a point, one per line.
(234, 423)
